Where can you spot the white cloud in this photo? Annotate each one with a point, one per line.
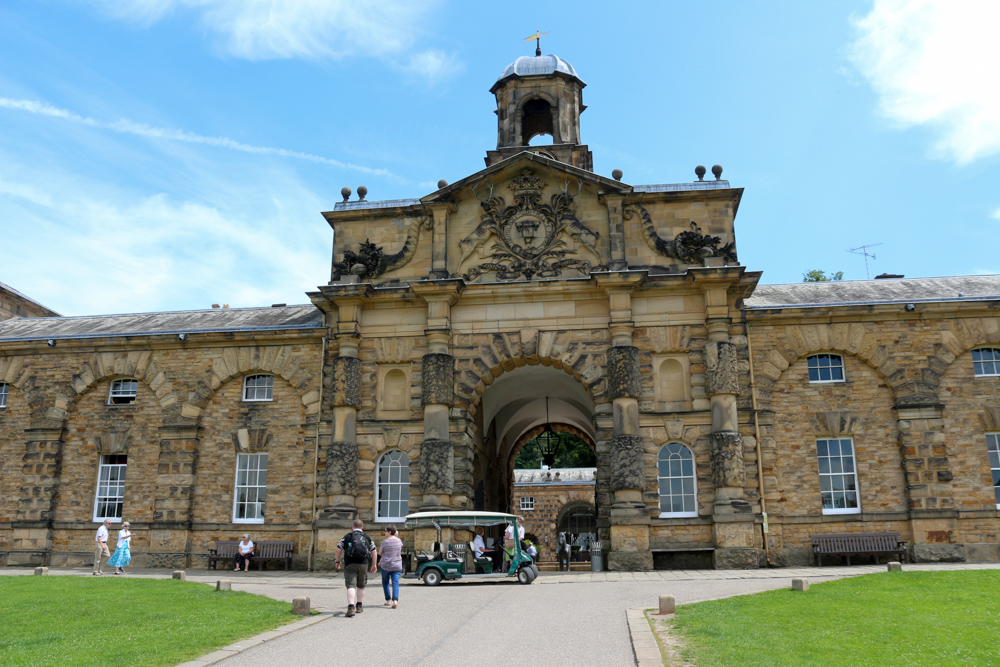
(126, 126)
(996, 214)
(936, 63)
(309, 29)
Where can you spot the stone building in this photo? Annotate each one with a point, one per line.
(560, 500)
(15, 304)
(423, 365)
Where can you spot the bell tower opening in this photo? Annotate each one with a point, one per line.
(536, 120)
(538, 96)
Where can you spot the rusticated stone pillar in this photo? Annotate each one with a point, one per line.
(31, 542)
(437, 457)
(733, 515)
(342, 453)
(170, 531)
(629, 516)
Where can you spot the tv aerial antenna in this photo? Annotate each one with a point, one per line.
(863, 250)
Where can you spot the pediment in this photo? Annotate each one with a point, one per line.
(510, 168)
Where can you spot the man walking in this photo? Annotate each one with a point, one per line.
(101, 547)
(359, 558)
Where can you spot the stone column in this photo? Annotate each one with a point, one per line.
(31, 542)
(342, 452)
(437, 458)
(933, 514)
(439, 243)
(170, 531)
(616, 232)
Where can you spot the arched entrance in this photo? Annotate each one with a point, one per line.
(513, 412)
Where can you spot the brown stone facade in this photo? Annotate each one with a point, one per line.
(453, 327)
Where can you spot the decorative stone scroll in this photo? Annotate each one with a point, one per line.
(114, 442)
(251, 440)
(342, 469)
(691, 247)
(627, 463)
(437, 466)
(438, 379)
(370, 261)
(623, 372)
(346, 384)
(728, 468)
(720, 369)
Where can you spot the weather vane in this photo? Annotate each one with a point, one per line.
(538, 40)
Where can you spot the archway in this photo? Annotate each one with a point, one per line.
(513, 412)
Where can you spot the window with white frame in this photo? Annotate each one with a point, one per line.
(527, 503)
(258, 388)
(393, 487)
(251, 488)
(826, 368)
(678, 491)
(110, 487)
(123, 392)
(986, 361)
(838, 477)
(993, 445)
(3, 394)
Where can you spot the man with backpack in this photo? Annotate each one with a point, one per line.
(359, 558)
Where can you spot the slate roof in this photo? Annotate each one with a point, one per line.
(7, 288)
(151, 324)
(871, 292)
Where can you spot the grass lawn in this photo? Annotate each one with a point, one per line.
(104, 621)
(892, 618)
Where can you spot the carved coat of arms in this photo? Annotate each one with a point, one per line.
(528, 236)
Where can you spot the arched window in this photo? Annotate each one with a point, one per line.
(826, 368)
(123, 392)
(393, 488)
(678, 493)
(986, 361)
(671, 381)
(536, 119)
(395, 391)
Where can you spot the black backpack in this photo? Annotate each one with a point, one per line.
(355, 547)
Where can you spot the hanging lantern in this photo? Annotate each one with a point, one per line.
(548, 441)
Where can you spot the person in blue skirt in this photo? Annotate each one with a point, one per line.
(123, 553)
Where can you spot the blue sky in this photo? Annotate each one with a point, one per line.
(171, 154)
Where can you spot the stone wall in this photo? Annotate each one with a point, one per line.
(550, 499)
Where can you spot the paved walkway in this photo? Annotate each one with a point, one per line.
(580, 617)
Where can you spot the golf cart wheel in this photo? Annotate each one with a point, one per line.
(525, 575)
(432, 576)
(534, 568)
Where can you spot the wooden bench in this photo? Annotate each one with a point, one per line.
(262, 551)
(858, 544)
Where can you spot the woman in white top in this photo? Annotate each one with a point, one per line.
(123, 552)
(244, 552)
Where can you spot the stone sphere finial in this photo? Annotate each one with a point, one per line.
(345, 193)
(617, 174)
(442, 184)
(717, 172)
(362, 192)
(699, 171)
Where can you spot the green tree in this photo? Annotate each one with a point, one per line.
(818, 276)
(573, 452)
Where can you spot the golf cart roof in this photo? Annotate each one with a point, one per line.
(459, 518)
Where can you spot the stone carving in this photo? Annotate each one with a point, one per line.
(346, 382)
(370, 261)
(390, 436)
(627, 463)
(834, 424)
(251, 439)
(393, 350)
(114, 442)
(720, 369)
(728, 469)
(529, 237)
(437, 466)
(342, 469)
(691, 247)
(438, 379)
(623, 372)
